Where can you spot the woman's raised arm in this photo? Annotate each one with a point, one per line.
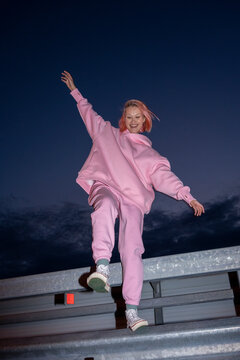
(68, 80)
(94, 122)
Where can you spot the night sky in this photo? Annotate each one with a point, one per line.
(180, 57)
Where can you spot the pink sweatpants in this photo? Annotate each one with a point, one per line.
(108, 204)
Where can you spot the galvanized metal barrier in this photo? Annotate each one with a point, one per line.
(184, 293)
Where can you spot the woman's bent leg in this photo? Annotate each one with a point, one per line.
(103, 217)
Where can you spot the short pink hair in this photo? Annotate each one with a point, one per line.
(148, 114)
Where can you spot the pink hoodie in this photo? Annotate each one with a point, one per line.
(126, 162)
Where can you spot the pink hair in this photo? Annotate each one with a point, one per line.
(147, 113)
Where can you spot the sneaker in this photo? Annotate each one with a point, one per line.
(98, 280)
(134, 322)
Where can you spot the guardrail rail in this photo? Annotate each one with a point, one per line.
(190, 300)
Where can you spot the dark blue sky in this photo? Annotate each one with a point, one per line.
(180, 57)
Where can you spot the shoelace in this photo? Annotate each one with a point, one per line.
(103, 269)
(132, 314)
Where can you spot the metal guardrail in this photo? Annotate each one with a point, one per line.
(178, 291)
(205, 340)
(165, 267)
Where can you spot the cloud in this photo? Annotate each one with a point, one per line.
(56, 238)
(43, 240)
(218, 227)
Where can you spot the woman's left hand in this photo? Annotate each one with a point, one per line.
(198, 208)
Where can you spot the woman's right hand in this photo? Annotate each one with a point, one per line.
(68, 80)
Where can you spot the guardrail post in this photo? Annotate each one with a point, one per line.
(157, 293)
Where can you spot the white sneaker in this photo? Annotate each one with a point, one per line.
(134, 322)
(98, 280)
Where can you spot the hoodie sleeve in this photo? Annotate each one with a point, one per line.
(165, 181)
(94, 122)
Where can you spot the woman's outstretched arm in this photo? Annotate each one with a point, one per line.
(165, 181)
(94, 122)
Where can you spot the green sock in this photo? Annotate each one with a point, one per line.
(103, 262)
(129, 306)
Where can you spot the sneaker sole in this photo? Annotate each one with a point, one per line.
(139, 325)
(98, 283)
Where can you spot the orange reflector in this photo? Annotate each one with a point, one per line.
(70, 298)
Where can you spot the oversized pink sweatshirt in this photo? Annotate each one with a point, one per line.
(126, 162)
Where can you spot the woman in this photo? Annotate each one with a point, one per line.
(119, 175)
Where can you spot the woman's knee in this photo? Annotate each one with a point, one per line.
(106, 202)
(131, 251)
(105, 205)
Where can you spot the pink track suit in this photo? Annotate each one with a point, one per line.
(119, 175)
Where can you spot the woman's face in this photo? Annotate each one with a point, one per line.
(134, 119)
